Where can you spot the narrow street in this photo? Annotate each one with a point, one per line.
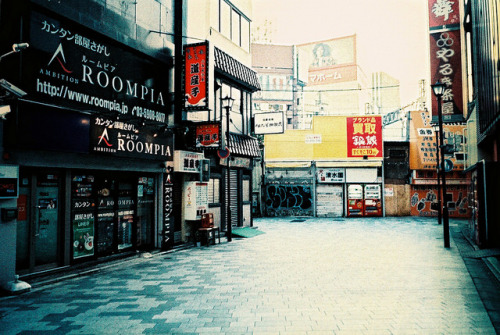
(303, 276)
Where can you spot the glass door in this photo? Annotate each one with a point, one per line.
(38, 222)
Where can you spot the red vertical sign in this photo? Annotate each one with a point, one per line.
(444, 13)
(196, 76)
(446, 67)
(364, 136)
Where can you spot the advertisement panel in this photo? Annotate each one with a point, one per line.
(196, 76)
(444, 13)
(83, 235)
(331, 61)
(446, 67)
(364, 136)
(126, 140)
(71, 66)
(423, 149)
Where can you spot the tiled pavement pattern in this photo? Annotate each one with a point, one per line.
(320, 276)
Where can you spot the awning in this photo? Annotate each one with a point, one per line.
(236, 70)
(244, 145)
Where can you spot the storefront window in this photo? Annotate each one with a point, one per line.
(145, 211)
(213, 191)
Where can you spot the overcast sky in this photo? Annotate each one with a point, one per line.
(392, 34)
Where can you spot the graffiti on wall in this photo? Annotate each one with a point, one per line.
(423, 197)
(289, 200)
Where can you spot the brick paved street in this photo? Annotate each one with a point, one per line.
(319, 276)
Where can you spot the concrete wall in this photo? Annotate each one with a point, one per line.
(399, 203)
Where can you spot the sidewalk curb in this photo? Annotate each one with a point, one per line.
(491, 262)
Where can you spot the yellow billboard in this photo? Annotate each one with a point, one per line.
(331, 137)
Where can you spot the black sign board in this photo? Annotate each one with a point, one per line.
(71, 66)
(125, 139)
(168, 220)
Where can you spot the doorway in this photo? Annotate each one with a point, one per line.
(39, 221)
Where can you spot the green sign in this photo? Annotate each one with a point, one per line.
(83, 235)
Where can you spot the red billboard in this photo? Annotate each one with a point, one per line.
(364, 136)
(444, 13)
(446, 67)
(196, 76)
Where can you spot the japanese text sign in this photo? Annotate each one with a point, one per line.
(208, 135)
(364, 136)
(443, 13)
(71, 66)
(269, 123)
(446, 67)
(196, 81)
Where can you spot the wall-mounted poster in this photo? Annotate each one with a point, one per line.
(83, 235)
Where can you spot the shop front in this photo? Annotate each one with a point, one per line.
(66, 216)
(91, 143)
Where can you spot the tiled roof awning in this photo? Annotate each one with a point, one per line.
(235, 70)
(244, 145)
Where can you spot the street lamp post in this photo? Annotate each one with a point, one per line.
(227, 104)
(435, 127)
(438, 89)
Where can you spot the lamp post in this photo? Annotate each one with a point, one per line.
(227, 104)
(438, 90)
(435, 127)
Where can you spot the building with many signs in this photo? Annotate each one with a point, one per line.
(217, 66)
(322, 173)
(84, 145)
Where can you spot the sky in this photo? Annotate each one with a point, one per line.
(392, 35)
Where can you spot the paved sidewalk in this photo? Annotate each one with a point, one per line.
(344, 276)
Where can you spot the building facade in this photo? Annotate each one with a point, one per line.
(322, 173)
(482, 30)
(276, 69)
(218, 134)
(84, 141)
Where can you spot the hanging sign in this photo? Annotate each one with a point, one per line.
(196, 76)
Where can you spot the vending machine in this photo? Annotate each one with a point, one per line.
(355, 203)
(373, 200)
